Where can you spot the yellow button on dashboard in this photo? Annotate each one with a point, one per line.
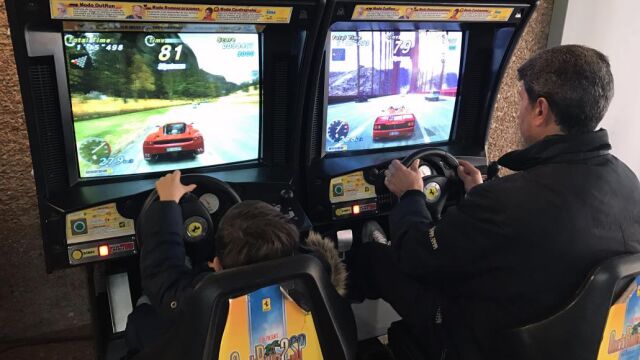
(76, 254)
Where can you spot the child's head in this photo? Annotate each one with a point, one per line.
(254, 231)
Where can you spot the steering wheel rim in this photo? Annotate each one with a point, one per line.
(205, 184)
(189, 179)
(443, 155)
(437, 187)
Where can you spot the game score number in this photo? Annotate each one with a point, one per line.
(166, 51)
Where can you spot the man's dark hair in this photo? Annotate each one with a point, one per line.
(209, 9)
(575, 80)
(254, 231)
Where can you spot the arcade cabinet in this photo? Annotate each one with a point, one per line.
(117, 94)
(394, 77)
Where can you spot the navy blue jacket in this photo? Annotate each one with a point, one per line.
(517, 248)
(165, 277)
(169, 282)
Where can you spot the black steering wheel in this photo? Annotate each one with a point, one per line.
(202, 211)
(441, 186)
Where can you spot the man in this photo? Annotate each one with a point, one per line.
(516, 249)
(408, 12)
(208, 14)
(62, 10)
(137, 12)
(455, 14)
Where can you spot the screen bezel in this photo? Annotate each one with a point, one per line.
(71, 149)
(432, 27)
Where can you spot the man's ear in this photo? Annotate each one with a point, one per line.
(542, 112)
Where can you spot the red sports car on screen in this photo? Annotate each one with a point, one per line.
(395, 122)
(173, 138)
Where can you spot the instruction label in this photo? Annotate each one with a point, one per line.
(97, 223)
(431, 13)
(168, 12)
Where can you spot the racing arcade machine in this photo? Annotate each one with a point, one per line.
(117, 94)
(395, 78)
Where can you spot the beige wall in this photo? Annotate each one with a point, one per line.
(32, 302)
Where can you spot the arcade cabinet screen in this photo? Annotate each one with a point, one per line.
(391, 89)
(147, 102)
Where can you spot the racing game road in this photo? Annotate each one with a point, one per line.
(433, 121)
(228, 135)
(147, 102)
(391, 88)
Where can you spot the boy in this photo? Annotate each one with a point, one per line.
(250, 232)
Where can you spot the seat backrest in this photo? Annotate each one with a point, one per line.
(576, 331)
(199, 332)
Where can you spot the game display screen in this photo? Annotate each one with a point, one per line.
(145, 102)
(391, 88)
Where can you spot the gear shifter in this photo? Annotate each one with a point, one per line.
(286, 202)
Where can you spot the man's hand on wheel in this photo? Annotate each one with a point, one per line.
(400, 179)
(469, 175)
(170, 188)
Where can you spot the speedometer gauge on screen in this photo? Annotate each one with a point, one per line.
(156, 101)
(391, 88)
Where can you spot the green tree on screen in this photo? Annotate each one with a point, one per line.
(110, 71)
(142, 79)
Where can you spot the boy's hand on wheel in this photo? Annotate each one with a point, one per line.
(170, 188)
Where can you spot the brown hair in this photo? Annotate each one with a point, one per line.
(576, 81)
(254, 231)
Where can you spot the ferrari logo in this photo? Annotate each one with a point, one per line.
(194, 229)
(266, 304)
(432, 192)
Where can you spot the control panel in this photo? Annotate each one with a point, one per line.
(352, 195)
(99, 233)
(102, 250)
(362, 192)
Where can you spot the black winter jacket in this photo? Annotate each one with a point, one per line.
(169, 282)
(517, 248)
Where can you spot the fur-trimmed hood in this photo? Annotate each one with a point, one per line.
(324, 247)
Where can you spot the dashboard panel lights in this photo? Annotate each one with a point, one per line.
(103, 250)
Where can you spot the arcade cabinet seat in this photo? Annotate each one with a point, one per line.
(573, 333)
(199, 332)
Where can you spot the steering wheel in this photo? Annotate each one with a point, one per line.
(442, 185)
(202, 211)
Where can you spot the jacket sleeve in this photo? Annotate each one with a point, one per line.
(464, 234)
(166, 279)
